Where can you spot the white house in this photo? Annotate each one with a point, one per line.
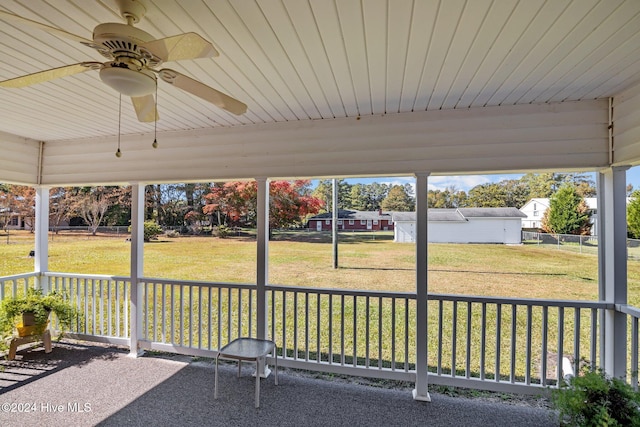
(535, 208)
(463, 225)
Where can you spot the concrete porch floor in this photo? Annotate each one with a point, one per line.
(86, 384)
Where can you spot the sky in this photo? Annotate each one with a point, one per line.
(467, 182)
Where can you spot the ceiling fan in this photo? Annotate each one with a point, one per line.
(133, 60)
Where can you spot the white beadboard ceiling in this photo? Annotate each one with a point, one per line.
(300, 60)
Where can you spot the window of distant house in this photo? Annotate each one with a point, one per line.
(375, 222)
(535, 208)
(363, 222)
(351, 222)
(535, 213)
(327, 221)
(339, 222)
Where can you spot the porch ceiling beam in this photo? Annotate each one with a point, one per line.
(563, 136)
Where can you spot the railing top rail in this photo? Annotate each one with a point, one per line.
(628, 309)
(198, 283)
(521, 301)
(346, 292)
(18, 276)
(86, 276)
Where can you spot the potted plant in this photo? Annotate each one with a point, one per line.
(29, 314)
(594, 399)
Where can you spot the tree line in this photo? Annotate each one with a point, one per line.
(193, 207)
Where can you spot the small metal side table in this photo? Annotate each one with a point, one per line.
(251, 349)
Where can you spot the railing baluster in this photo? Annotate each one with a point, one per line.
(199, 316)
(109, 307)
(514, 314)
(483, 341)
(576, 340)
(440, 328)
(330, 328)
(173, 317)
(318, 322)
(181, 314)
(454, 337)
(634, 353)
(368, 332)
(119, 333)
(295, 326)
(229, 315)
(239, 312)
(379, 332)
(528, 358)
(219, 317)
(355, 330)
(498, 340)
(306, 326)
(467, 368)
(560, 344)
(393, 334)
(284, 324)
(342, 330)
(594, 336)
(154, 311)
(406, 334)
(543, 356)
(164, 313)
(210, 315)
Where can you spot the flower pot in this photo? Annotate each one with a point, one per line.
(27, 325)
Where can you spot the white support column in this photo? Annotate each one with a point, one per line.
(137, 266)
(41, 225)
(421, 391)
(262, 258)
(334, 222)
(612, 239)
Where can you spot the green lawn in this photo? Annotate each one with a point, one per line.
(367, 261)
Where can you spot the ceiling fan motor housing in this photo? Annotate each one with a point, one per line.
(129, 72)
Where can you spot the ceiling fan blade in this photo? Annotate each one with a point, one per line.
(6, 16)
(203, 91)
(183, 46)
(145, 107)
(54, 73)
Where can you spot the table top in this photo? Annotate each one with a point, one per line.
(247, 348)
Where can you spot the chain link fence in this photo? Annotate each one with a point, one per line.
(575, 243)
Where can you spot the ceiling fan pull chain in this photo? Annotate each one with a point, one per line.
(119, 153)
(155, 121)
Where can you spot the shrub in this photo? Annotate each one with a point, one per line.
(172, 233)
(221, 231)
(595, 399)
(151, 230)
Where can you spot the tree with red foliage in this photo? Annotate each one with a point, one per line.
(290, 202)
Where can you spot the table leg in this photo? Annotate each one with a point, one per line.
(258, 382)
(275, 354)
(215, 381)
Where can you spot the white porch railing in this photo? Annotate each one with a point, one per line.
(502, 344)
(11, 286)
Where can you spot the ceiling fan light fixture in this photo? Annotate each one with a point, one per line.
(129, 82)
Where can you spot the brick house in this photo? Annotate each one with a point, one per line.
(352, 220)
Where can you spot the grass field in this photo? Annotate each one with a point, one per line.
(367, 261)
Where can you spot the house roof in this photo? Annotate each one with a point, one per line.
(338, 78)
(460, 214)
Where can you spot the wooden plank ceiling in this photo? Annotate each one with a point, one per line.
(300, 60)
